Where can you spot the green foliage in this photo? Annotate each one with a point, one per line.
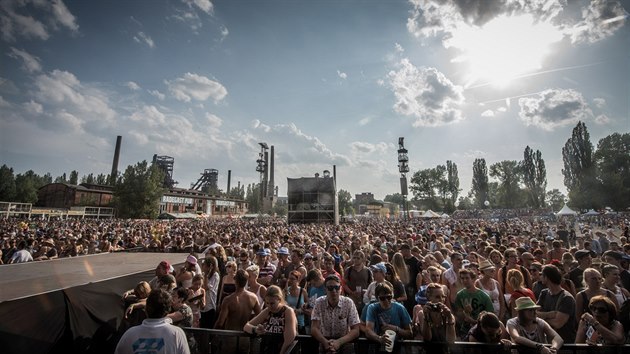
(555, 199)
(508, 175)
(280, 209)
(102, 179)
(465, 203)
(237, 192)
(253, 198)
(479, 187)
(436, 188)
(452, 187)
(579, 169)
(61, 179)
(534, 176)
(74, 177)
(345, 203)
(7, 184)
(612, 160)
(395, 198)
(89, 179)
(137, 192)
(27, 185)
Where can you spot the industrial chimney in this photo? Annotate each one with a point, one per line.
(229, 180)
(271, 187)
(114, 174)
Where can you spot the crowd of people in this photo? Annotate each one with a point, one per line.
(516, 281)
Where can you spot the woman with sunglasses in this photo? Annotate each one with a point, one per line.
(592, 281)
(600, 327)
(276, 322)
(386, 314)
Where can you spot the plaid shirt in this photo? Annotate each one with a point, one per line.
(335, 322)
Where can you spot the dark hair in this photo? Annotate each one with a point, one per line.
(383, 289)
(181, 292)
(610, 306)
(240, 278)
(552, 273)
(332, 277)
(213, 264)
(313, 274)
(488, 320)
(158, 303)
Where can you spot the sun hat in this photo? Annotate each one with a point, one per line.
(379, 267)
(486, 265)
(191, 259)
(525, 303)
(283, 250)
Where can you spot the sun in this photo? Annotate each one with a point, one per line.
(504, 48)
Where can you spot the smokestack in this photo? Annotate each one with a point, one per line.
(114, 174)
(229, 180)
(271, 173)
(266, 177)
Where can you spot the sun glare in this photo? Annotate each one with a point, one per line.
(504, 48)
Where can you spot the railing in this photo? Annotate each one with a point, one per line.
(211, 341)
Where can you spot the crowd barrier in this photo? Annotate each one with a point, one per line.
(211, 341)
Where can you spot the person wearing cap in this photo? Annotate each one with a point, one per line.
(557, 305)
(308, 263)
(490, 285)
(334, 320)
(283, 268)
(266, 268)
(585, 260)
(532, 332)
(187, 271)
(378, 273)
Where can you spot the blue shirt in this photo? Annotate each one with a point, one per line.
(396, 315)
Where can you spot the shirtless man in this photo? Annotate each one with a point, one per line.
(236, 310)
(451, 279)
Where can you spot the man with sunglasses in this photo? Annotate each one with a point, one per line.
(386, 315)
(334, 320)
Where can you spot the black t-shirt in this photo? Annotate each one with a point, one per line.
(563, 235)
(563, 302)
(576, 275)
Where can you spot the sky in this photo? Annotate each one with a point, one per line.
(325, 82)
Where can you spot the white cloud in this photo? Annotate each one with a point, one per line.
(141, 37)
(399, 48)
(342, 74)
(33, 107)
(502, 109)
(554, 108)
(602, 119)
(224, 33)
(157, 94)
(599, 102)
(65, 98)
(204, 5)
(257, 124)
(132, 86)
(426, 94)
(30, 62)
(16, 19)
(149, 115)
(63, 15)
(4, 103)
(362, 147)
(193, 86)
(213, 121)
(364, 121)
(601, 19)
(190, 18)
(488, 113)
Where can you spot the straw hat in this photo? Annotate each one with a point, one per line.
(486, 265)
(525, 303)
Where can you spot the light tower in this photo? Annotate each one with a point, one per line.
(403, 168)
(261, 167)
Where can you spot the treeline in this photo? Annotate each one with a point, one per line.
(593, 178)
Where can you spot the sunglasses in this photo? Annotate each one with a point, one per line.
(333, 287)
(598, 309)
(385, 297)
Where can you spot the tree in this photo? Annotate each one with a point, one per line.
(89, 179)
(534, 177)
(253, 197)
(508, 175)
(138, 191)
(61, 179)
(453, 190)
(74, 177)
(612, 160)
(345, 203)
(555, 199)
(27, 185)
(280, 209)
(429, 187)
(102, 179)
(465, 203)
(579, 169)
(479, 187)
(7, 184)
(395, 198)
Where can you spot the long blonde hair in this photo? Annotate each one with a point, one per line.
(515, 279)
(398, 261)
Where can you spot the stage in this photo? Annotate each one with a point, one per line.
(70, 304)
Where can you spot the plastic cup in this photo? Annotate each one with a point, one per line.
(392, 337)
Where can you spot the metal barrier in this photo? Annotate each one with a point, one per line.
(211, 341)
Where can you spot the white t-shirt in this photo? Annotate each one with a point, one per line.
(21, 256)
(154, 335)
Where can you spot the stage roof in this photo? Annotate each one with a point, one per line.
(27, 279)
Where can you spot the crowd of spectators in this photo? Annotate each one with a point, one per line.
(522, 281)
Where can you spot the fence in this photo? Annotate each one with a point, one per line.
(210, 341)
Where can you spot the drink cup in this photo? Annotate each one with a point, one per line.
(392, 337)
(358, 289)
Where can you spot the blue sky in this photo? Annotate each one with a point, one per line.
(325, 82)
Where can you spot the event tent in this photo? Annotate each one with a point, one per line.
(566, 211)
(430, 214)
(591, 213)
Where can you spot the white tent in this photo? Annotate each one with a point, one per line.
(445, 216)
(566, 211)
(430, 214)
(591, 213)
